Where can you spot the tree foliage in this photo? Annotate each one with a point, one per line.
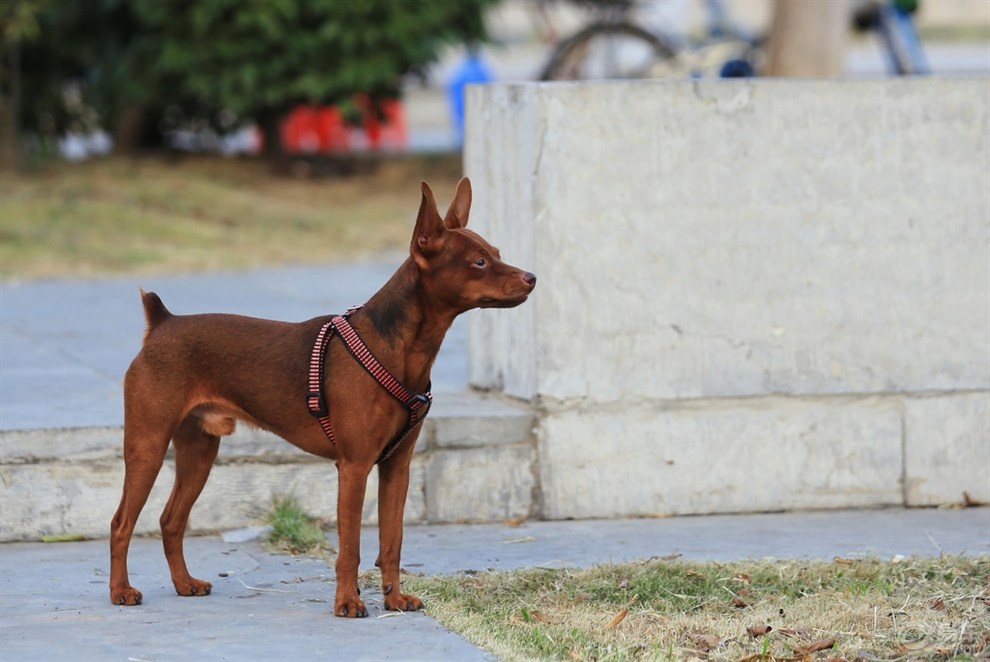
(253, 58)
(251, 55)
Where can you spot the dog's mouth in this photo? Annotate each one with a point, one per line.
(489, 302)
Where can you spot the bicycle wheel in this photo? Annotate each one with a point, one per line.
(607, 50)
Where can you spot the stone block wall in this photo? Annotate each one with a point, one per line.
(753, 295)
(474, 462)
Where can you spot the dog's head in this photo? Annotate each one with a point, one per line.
(457, 265)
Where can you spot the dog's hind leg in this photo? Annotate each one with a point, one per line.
(195, 451)
(145, 444)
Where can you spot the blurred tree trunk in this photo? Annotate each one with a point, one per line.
(10, 108)
(268, 120)
(808, 38)
(129, 129)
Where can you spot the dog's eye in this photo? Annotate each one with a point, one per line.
(480, 263)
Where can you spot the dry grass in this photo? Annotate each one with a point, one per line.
(865, 609)
(150, 215)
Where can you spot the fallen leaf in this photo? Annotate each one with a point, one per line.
(908, 647)
(705, 642)
(618, 619)
(937, 604)
(528, 616)
(741, 577)
(537, 615)
(758, 630)
(970, 502)
(814, 646)
(793, 632)
(739, 603)
(769, 657)
(659, 619)
(515, 521)
(974, 642)
(842, 561)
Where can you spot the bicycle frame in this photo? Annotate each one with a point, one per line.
(903, 47)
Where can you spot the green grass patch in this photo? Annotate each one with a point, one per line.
(294, 531)
(660, 610)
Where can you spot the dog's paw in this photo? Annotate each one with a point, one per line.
(190, 586)
(349, 608)
(127, 596)
(396, 601)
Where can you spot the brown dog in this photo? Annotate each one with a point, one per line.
(196, 374)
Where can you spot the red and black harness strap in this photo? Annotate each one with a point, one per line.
(417, 404)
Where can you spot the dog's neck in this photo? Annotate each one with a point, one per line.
(411, 326)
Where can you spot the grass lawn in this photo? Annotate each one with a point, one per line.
(154, 215)
(668, 609)
(761, 610)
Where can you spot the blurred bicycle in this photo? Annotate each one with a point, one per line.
(893, 22)
(617, 44)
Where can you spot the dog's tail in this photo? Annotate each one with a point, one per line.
(155, 311)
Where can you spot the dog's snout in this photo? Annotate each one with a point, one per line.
(529, 278)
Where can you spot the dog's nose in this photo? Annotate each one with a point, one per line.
(530, 279)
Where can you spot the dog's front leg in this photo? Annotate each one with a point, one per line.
(353, 479)
(393, 485)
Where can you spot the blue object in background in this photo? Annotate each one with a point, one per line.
(472, 69)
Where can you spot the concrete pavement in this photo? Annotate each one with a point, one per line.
(65, 345)
(267, 606)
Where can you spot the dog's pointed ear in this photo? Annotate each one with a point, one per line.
(427, 238)
(460, 207)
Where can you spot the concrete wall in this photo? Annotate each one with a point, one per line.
(753, 295)
(474, 462)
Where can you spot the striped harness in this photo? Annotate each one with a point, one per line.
(417, 404)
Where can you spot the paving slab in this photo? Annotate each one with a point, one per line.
(54, 602)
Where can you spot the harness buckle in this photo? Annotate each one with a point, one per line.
(416, 400)
(320, 408)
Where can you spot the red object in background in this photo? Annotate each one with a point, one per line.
(321, 129)
(331, 131)
(389, 131)
(299, 131)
